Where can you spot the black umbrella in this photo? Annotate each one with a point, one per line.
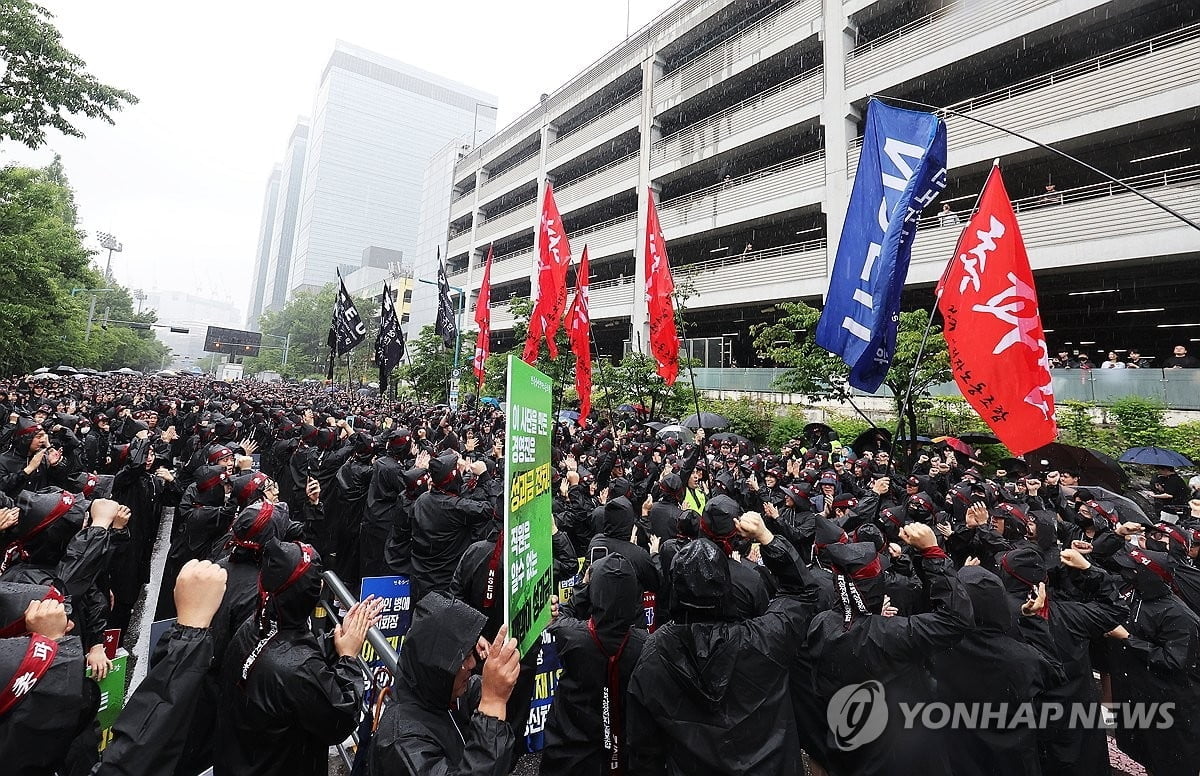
(1013, 466)
(919, 439)
(732, 438)
(63, 369)
(41, 370)
(704, 420)
(979, 438)
(1131, 508)
(1156, 456)
(873, 439)
(656, 425)
(1094, 467)
(88, 371)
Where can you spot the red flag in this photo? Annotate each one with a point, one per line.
(579, 329)
(993, 327)
(660, 288)
(483, 319)
(554, 256)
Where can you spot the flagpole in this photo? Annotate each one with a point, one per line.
(1050, 148)
(607, 395)
(912, 375)
(691, 373)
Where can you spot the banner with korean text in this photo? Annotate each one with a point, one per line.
(529, 580)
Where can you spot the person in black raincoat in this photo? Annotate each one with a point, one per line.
(346, 502)
(150, 733)
(31, 464)
(1062, 631)
(287, 697)
(43, 705)
(614, 539)
(382, 504)
(584, 731)
(718, 524)
(709, 694)
(1157, 659)
(51, 549)
(444, 720)
(204, 515)
(853, 645)
(991, 665)
(443, 526)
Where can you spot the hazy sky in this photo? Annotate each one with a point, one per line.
(180, 178)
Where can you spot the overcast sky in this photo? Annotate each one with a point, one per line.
(180, 178)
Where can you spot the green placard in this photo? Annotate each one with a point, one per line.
(527, 505)
(112, 696)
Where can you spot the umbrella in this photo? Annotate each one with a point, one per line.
(679, 432)
(919, 439)
(732, 438)
(44, 376)
(979, 438)
(127, 371)
(568, 415)
(656, 425)
(1095, 468)
(956, 444)
(491, 401)
(1128, 507)
(1155, 456)
(704, 420)
(1013, 465)
(873, 439)
(42, 370)
(167, 373)
(87, 370)
(63, 369)
(819, 428)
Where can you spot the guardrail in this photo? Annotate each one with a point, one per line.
(1176, 389)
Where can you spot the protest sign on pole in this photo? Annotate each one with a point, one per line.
(527, 501)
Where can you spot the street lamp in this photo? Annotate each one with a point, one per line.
(112, 244)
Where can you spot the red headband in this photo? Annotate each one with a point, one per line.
(39, 656)
(18, 627)
(248, 489)
(1143, 559)
(260, 522)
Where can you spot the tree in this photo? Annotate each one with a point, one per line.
(431, 364)
(813, 371)
(44, 83)
(306, 318)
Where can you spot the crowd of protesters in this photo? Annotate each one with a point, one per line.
(780, 578)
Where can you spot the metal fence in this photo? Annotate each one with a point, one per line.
(1177, 389)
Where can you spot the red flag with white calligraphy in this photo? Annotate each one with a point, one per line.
(579, 329)
(660, 290)
(993, 327)
(483, 319)
(554, 257)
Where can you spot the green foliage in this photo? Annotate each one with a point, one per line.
(44, 279)
(1140, 420)
(428, 373)
(1075, 426)
(786, 428)
(306, 318)
(1185, 438)
(44, 84)
(752, 419)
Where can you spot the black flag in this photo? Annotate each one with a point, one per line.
(389, 345)
(346, 330)
(446, 325)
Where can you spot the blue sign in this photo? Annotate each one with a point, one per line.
(901, 170)
(545, 682)
(393, 620)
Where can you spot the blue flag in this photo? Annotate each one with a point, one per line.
(901, 170)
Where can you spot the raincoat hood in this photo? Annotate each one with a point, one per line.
(616, 598)
(993, 614)
(443, 633)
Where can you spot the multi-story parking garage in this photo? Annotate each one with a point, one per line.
(745, 117)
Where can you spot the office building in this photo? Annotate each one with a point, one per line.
(375, 125)
(277, 233)
(745, 118)
(258, 287)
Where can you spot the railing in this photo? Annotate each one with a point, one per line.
(792, 249)
(605, 234)
(622, 170)
(782, 179)
(580, 86)
(806, 88)
(1177, 176)
(605, 122)
(458, 243)
(683, 82)
(511, 265)
(957, 20)
(1177, 389)
(510, 175)
(506, 220)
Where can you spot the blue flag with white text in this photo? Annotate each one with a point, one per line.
(901, 170)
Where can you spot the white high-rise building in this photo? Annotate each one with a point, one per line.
(375, 125)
